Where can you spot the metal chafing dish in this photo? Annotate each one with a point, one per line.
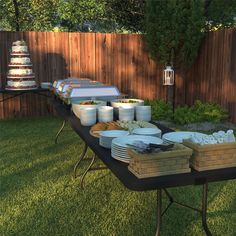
(104, 93)
(58, 85)
(67, 87)
(74, 90)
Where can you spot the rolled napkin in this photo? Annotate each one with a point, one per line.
(216, 137)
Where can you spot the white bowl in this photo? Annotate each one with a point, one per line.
(46, 85)
(147, 131)
(142, 108)
(126, 103)
(77, 106)
(88, 116)
(105, 114)
(107, 136)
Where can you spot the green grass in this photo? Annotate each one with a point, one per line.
(39, 196)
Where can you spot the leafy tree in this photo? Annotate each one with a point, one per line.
(74, 13)
(220, 14)
(127, 14)
(175, 28)
(28, 15)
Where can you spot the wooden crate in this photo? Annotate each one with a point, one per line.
(174, 161)
(212, 156)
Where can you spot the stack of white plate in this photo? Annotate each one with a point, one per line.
(148, 132)
(107, 136)
(178, 137)
(119, 145)
(143, 113)
(105, 114)
(126, 113)
(88, 116)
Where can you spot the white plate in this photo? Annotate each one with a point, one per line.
(147, 131)
(121, 159)
(177, 137)
(123, 141)
(114, 133)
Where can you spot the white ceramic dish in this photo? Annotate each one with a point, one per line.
(177, 137)
(147, 131)
(107, 136)
(126, 103)
(46, 85)
(122, 142)
(77, 106)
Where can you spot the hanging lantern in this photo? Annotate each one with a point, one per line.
(168, 76)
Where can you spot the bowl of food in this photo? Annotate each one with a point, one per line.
(76, 106)
(128, 102)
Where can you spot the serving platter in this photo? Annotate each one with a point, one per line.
(179, 136)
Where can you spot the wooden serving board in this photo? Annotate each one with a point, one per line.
(96, 133)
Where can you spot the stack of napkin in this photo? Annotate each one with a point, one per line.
(217, 137)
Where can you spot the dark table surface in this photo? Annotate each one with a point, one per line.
(5, 91)
(120, 169)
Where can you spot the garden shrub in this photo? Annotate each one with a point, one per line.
(160, 110)
(200, 112)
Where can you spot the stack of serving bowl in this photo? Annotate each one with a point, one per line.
(143, 113)
(88, 116)
(126, 113)
(105, 114)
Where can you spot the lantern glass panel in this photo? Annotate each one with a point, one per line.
(168, 76)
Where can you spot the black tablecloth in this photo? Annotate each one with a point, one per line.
(120, 169)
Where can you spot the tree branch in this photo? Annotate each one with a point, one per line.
(16, 8)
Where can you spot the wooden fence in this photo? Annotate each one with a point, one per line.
(122, 60)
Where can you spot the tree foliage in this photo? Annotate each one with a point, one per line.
(70, 15)
(128, 14)
(74, 13)
(38, 15)
(175, 28)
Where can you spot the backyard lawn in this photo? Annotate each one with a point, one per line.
(39, 196)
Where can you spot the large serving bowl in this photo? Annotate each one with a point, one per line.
(127, 102)
(86, 104)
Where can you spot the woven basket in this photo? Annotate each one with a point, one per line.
(212, 156)
(175, 161)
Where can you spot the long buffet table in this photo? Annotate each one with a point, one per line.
(120, 170)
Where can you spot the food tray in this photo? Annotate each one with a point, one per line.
(174, 161)
(212, 156)
(113, 125)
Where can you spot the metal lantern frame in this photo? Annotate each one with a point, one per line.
(168, 76)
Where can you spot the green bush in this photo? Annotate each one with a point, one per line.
(199, 112)
(160, 110)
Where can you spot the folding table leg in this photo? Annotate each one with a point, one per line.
(82, 156)
(60, 130)
(159, 213)
(204, 210)
(86, 171)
